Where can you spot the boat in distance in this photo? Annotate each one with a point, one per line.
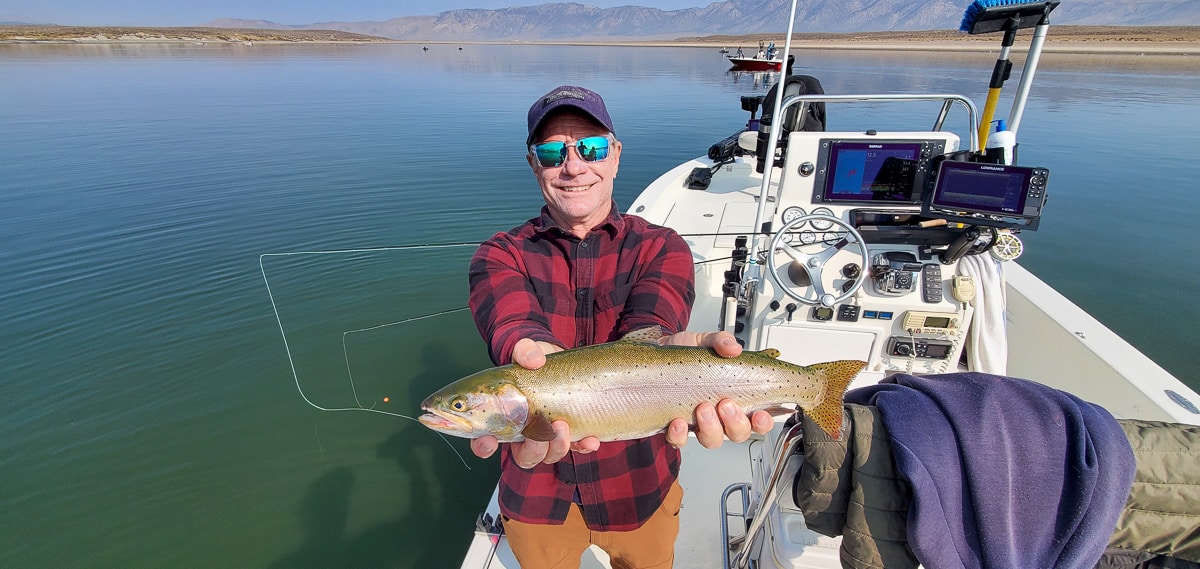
(755, 64)
(766, 59)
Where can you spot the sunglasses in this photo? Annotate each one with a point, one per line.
(590, 149)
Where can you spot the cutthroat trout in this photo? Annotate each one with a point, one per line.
(631, 389)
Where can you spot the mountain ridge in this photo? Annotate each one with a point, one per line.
(573, 20)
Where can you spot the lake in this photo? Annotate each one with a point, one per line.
(151, 415)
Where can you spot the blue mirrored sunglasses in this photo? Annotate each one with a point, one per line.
(590, 149)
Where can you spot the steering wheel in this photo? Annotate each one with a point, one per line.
(812, 256)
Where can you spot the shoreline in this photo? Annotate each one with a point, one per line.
(1165, 41)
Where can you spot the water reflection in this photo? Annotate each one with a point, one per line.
(755, 80)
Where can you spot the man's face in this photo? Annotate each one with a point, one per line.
(578, 193)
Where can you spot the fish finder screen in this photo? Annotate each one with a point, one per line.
(982, 188)
(996, 195)
(872, 171)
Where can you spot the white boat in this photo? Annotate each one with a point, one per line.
(870, 248)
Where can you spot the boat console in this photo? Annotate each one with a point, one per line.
(855, 250)
(854, 269)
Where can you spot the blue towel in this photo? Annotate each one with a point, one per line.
(1005, 472)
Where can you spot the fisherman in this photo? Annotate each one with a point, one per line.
(583, 273)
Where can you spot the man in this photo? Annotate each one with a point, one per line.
(581, 274)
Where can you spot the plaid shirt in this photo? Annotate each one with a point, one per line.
(538, 281)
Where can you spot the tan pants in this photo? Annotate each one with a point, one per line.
(545, 546)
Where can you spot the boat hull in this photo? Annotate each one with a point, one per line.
(756, 64)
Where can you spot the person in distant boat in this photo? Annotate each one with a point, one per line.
(582, 273)
(739, 52)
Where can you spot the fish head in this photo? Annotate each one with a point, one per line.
(486, 403)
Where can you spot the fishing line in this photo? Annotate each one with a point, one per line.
(345, 350)
(288, 349)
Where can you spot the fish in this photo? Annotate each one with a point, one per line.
(630, 389)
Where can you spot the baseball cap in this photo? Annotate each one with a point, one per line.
(567, 96)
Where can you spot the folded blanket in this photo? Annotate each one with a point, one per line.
(1004, 472)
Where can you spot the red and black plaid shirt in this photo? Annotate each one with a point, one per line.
(538, 281)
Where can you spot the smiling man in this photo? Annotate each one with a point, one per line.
(582, 273)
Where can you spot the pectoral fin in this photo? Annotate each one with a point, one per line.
(647, 335)
(538, 428)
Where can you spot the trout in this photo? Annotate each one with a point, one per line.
(630, 389)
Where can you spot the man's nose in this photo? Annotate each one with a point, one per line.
(574, 164)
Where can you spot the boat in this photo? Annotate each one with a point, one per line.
(863, 244)
(766, 59)
(755, 63)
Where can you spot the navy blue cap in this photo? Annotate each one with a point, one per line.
(567, 96)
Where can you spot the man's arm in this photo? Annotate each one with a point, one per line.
(503, 304)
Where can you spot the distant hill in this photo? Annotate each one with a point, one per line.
(50, 33)
(557, 21)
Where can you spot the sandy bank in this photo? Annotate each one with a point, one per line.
(1164, 40)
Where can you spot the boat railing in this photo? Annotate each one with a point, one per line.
(789, 440)
(947, 100)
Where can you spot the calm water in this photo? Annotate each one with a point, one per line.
(150, 417)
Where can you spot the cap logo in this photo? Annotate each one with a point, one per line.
(563, 94)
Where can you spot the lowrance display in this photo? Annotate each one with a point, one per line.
(857, 171)
(988, 194)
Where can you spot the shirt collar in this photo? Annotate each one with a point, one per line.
(614, 224)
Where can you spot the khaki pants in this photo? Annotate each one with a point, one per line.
(545, 546)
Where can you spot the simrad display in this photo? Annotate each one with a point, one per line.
(989, 194)
(857, 171)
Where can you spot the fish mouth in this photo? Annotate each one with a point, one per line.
(441, 421)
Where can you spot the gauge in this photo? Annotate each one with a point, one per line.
(822, 225)
(792, 213)
(807, 237)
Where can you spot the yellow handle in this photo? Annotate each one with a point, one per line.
(989, 109)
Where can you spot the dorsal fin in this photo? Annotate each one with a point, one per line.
(770, 353)
(647, 335)
(538, 428)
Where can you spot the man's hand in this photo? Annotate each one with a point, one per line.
(527, 454)
(726, 419)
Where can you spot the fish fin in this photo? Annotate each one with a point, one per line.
(538, 428)
(770, 353)
(780, 410)
(827, 414)
(647, 335)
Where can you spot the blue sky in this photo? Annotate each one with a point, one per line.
(193, 12)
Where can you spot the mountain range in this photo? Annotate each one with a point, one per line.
(558, 21)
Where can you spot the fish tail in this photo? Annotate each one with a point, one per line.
(827, 414)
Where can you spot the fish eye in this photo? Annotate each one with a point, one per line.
(458, 404)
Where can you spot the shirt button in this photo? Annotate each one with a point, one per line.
(583, 244)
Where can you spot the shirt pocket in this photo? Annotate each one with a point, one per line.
(609, 297)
